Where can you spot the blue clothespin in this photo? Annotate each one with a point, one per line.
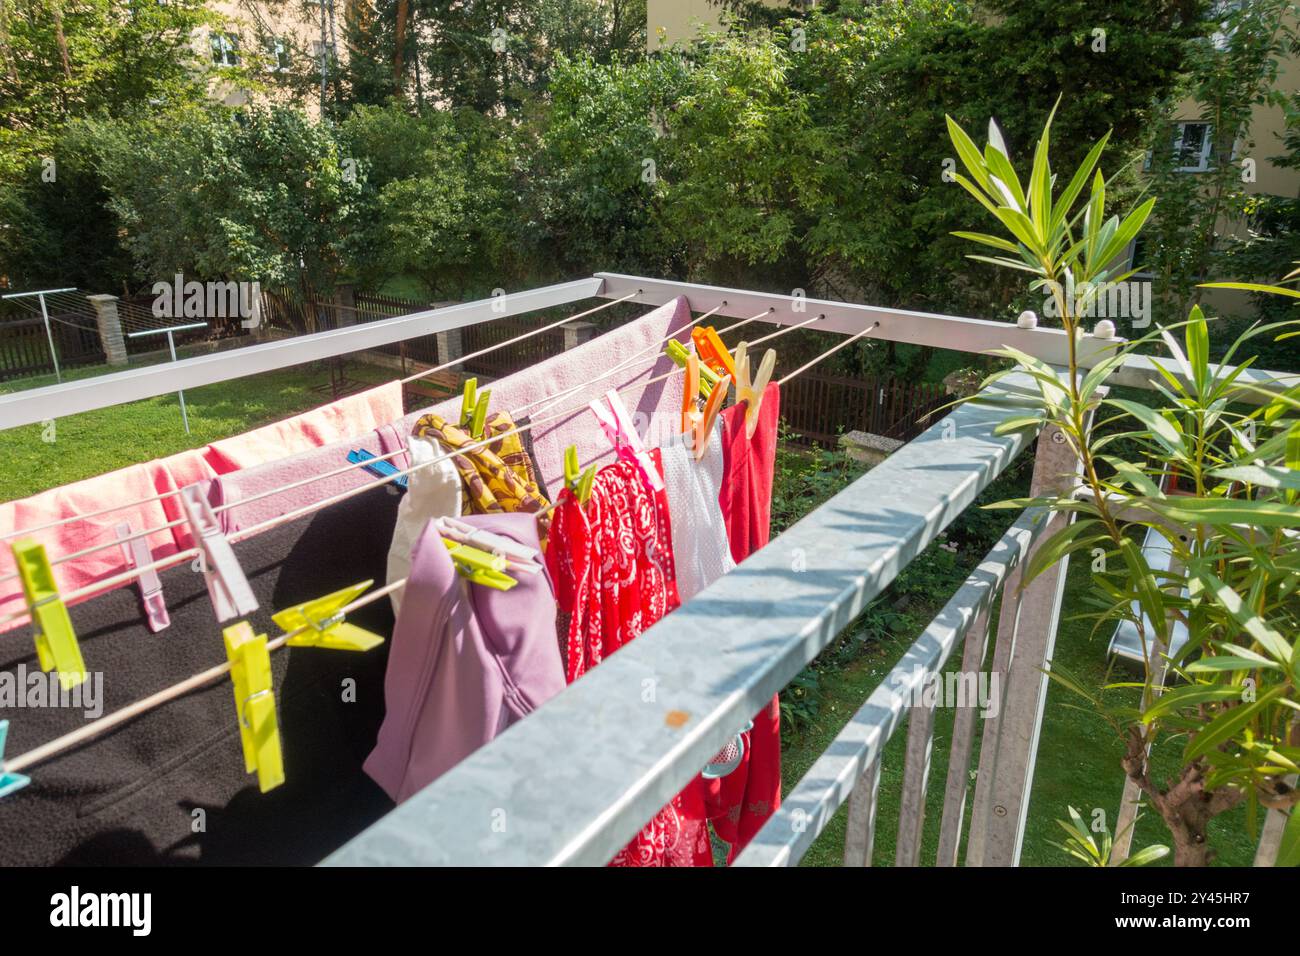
(380, 469)
(9, 782)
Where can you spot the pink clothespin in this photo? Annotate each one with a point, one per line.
(137, 555)
(623, 436)
(229, 589)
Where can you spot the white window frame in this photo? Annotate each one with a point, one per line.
(225, 48)
(1207, 146)
(277, 52)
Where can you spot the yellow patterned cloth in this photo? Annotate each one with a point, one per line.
(495, 477)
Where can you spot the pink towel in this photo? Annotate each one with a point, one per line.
(355, 415)
(358, 414)
(82, 497)
(656, 409)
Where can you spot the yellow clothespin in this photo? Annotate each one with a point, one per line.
(326, 622)
(579, 482)
(751, 390)
(479, 566)
(56, 642)
(474, 409)
(259, 731)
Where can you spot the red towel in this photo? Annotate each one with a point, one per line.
(740, 803)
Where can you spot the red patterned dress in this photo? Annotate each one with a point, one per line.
(612, 565)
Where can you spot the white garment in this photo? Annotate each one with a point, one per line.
(432, 492)
(701, 549)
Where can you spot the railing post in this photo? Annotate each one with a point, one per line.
(860, 831)
(1026, 638)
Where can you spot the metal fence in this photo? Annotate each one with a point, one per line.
(818, 408)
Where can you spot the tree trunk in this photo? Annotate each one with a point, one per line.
(56, 12)
(399, 41)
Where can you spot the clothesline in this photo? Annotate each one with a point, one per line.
(212, 675)
(171, 561)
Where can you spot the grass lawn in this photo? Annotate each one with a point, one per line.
(106, 439)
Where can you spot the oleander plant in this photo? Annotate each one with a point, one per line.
(1210, 459)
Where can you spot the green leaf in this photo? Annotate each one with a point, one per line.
(1004, 244)
(1161, 429)
(969, 153)
(1227, 511)
(1072, 191)
(1266, 476)
(1228, 724)
(1245, 617)
(1288, 854)
(1147, 855)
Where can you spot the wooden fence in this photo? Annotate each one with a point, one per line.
(25, 351)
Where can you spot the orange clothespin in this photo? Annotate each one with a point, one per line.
(751, 390)
(259, 731)
(690, 394)
(56, 642)
(325, 623)
(703, 426)
(712, 351)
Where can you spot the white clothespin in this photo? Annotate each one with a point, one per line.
(227, 586)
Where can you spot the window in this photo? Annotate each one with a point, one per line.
(277, 54)
(225, 49)
(329, 51)
(1192, 146)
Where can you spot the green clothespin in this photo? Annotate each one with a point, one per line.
(479, 566)
(325, 621)
(708, 378)
(9, 782)
(474, 408)
(578, 482)
(56, 642)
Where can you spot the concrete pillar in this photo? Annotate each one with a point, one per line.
(575, 333)
(450, 345)
(869, 448)
(110, 328)
(345, 302)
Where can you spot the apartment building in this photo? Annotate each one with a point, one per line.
(284, 45)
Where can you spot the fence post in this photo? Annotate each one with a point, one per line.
(345, 303)
(110, 328)
(1026, 638)
(575, 333)
(450, 345)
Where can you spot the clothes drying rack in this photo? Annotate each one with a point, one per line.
(764, 621)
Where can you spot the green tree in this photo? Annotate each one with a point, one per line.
(262, 195)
